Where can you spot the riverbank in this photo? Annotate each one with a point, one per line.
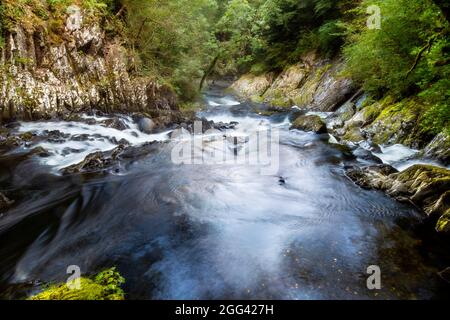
(325, 101)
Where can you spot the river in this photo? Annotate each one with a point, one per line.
(209, 230)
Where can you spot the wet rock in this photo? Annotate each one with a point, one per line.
(27, 136)
(146, 125)
(371, 146)
(67, 151)
(443, 224)
(40, 152)
(343, 114)
(310, 123)
(445, 274)
(354, 134)
(80, 137)
(179, 133)
(56, 136)
(366, 155)
(425, 186)
(5, 203)
(371, 177)
(115, 123)
(225, 126)
(10, 142)
(296, 112)
(439, 148)
(97, 161)
(134, 153)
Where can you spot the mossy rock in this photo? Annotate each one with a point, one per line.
(27, 136)
(443, 224)
(353, 135)
(104, 286)
(310, 123)
(396, 122)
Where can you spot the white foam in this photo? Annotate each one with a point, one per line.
(395, 153)
(61, 154)
(401, 157)
(322, 115)
(225, 101)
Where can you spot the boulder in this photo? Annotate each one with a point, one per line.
(114, 123)
(146, 125)
(354, 134)
(310, 123)
(343, 114)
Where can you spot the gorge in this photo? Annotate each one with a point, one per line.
(87, 175)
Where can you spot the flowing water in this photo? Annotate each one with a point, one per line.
(210, 230)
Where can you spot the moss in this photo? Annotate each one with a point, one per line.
(104, 286)
(27, 136)
(397, 122)
(353, 135)
(310, 123)
(443, 224)
(257, 99)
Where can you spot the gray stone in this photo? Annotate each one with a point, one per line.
(146, 125)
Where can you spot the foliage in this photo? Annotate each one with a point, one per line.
(409, 55)
(104, 286)
(171, 39)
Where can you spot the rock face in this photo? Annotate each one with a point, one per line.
(425, 186)
(439, 148)
(82, 70)
(310, 123)
(313, 83)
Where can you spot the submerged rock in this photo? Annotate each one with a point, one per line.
(425, 186)
(310, 123)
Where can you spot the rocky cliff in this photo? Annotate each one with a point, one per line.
(81, 70)
(313, 83)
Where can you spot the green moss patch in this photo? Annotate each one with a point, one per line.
(103, 286)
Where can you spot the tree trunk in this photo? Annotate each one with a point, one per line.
(208, 72)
